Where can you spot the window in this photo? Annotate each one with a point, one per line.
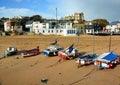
(61, 31)
(68, 31)
(68, 23)
(38, 31)
(36, 22)
(43, 31)
(52, 31)
(88, 30)
(71, 31)
(36, 26)
(44, 26)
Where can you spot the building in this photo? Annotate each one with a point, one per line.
(8, 26)
(29, 26)
(49, 28)
(112, 28)
(79, 17)
(89, 28)
(118, 27)
(76, 17)
(69, 17)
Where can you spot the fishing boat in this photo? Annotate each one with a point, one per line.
(107, 60)
(12, 50)
(31, 52)
(53, 49)
(68, 53)
(86, 60)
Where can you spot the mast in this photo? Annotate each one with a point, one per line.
(56, 14)
(93, 42)
(110, 41)
(56, 22)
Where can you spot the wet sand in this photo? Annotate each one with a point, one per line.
(30, 71)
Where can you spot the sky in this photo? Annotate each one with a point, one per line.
(92, 9)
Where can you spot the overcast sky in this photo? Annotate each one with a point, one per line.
(92, 9)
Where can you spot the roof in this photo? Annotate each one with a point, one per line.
(29, 22)
(114, 22)
(107, 57)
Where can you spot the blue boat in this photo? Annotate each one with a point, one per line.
(107, 60)
(87, 59)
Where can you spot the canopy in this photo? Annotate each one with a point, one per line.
(107, 57)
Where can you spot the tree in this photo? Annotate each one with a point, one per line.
(1, 25)
(36, 18)
(4, 19)
(100, 23)
(23, 22)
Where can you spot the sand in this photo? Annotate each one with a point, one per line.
(30, 71)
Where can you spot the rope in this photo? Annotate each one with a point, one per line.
(56, 63)
(84, 77)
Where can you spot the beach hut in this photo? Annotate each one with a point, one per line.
(107, 60)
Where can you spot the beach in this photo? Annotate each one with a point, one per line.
(15, 70)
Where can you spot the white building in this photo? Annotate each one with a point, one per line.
(64, 29)
(29, 25)
(89, 27)
(118, 27)
(8, 26)
(113, 28)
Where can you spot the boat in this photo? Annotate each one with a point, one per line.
(31, 52)
(107, 60)
(68, 53)
(12, 50)
(86, 59)
(52, 50)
